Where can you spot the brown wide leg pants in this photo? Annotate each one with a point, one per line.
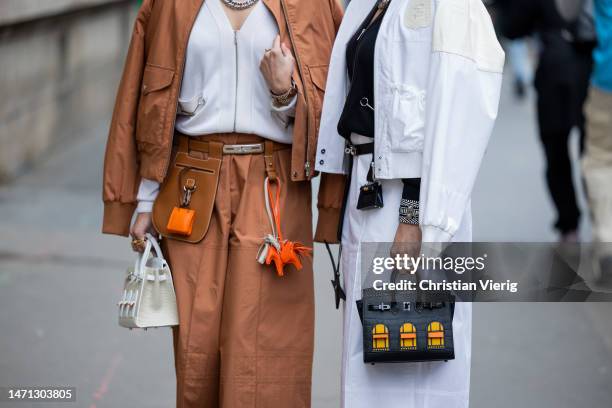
(245, 337)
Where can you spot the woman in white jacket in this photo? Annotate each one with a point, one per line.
(421, 79)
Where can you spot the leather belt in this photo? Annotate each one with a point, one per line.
(267, 148)
(352, 150)
(359, 149)
(236, 149)
(256, 148)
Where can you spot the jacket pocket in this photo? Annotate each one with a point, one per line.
(154, 102)
(318, 77)
(407, 122)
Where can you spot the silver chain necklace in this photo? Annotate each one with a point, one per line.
(240, 4)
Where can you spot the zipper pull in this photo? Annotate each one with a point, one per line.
(383, 3)
(363, 30)
(307, 169)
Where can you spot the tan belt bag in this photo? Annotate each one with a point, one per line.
(184, 206)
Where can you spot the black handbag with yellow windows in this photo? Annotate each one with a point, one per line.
(401, 327)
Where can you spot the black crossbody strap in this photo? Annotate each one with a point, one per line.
(338, 291)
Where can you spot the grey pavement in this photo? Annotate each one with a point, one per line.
(60, 279)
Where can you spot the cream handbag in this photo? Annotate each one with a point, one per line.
(148, 295)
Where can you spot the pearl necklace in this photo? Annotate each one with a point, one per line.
(240, 4)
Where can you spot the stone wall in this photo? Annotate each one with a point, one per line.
(60, 62)
(15, 11)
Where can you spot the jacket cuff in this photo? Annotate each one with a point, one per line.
(284, 113)
(288, 109)
(327, 225)
(435, 235)
(117, 218)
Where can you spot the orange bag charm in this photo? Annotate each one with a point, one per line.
(181, 221)
(182, 218)
(275, 249)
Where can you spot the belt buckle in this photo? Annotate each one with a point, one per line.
(350, 149)
(243, 149)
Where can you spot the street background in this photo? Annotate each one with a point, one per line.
(60, 279)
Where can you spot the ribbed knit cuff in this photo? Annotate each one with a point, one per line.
(117, 218)
(327, 225)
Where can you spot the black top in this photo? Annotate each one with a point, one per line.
(358, 114)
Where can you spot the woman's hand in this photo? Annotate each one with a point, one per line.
(277, 67)
(142, 225)
(407, 241)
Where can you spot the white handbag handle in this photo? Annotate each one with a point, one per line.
(150, 238)
(141, 262)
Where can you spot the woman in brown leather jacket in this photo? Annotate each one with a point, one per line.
(236, 83)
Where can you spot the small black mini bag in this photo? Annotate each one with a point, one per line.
(370, 196)
(398, 327)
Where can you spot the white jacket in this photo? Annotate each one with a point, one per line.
(437, 82)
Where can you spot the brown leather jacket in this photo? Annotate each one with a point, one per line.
(140, 138)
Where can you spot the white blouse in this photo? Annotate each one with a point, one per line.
(223, 89)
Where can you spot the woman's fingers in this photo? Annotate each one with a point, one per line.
(286, 50)
(276, 46)
(141, 226)
(138, 231)
(138, 245)
(277, 67)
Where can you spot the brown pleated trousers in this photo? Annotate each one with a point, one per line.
(245, 337)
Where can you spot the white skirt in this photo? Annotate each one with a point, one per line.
(405, 385)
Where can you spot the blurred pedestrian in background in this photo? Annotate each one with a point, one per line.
(562, 80)
(518, 56)
(597, 162)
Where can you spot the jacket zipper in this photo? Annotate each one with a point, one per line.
(359, 44)
(169, 154)
(376, 112)
(236, 80)
(301, 72)
(357, 52)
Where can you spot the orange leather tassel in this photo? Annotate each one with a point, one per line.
(289, 255)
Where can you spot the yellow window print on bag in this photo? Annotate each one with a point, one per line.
(435, 335)
(380, 338)
(408, 339)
